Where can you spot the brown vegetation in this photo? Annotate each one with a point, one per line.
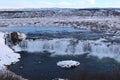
(7, 75)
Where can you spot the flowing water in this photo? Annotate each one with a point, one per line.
(98, 53)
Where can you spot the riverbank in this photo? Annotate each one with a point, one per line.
(8, 75)
(7, 57)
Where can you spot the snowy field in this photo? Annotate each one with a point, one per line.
(74, 21)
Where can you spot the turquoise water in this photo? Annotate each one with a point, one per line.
(54, 32)
(34, 29)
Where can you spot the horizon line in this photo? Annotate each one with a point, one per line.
(64, 8)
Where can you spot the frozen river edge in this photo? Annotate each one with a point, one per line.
(7, 57)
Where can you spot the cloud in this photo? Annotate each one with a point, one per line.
(63, 4)
(46, 4)
(52, 4)
(57, 4)
(38, 4)
(92, 1)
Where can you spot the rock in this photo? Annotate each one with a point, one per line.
(14, 38)
(68, 64)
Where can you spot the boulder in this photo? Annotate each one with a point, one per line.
(13, 38)
(16, 37)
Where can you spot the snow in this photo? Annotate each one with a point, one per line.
(16, 48)
(7, 55)
(21, 36)
(98, 19)
(68, 63)
(106, 24)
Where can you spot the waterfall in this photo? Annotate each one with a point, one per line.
(72, 47)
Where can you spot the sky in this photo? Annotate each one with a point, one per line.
(59, 4)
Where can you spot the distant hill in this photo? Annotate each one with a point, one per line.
(55, 12)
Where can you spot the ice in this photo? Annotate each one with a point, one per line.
(21, 36)
(68, 63)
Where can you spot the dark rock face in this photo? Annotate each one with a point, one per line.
(15, 38)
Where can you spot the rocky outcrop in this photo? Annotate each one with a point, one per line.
(14, 38)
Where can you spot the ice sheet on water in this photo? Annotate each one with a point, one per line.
(68, 63)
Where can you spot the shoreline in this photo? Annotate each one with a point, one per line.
(7, 57)
(6, 74)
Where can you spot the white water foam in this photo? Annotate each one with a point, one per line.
(73, 47)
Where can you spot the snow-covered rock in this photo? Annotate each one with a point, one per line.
(13, 38)
(68, 64)
(7, 55)
(21, 36)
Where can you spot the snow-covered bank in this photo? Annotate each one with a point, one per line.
(7, 55)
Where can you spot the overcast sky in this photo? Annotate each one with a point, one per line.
(59, 4)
